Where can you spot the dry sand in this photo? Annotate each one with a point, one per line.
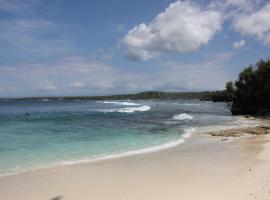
(204, 167)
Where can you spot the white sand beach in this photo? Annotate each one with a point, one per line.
(204, 167)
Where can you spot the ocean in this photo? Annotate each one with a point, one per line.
(41, 134)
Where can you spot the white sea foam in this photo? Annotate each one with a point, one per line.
(121, 103)
(188, 132)
(182, 116)
(126, 109)
(191, 104)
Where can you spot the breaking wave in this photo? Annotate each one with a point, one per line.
(191, 104)
(126, 109)
(182, 116)
(124, 103)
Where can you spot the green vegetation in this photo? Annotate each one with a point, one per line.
(213, 95)
(229, 91)
(250, 94)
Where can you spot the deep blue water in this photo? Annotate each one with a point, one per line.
(46, 133)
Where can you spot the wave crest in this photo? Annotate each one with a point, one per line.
(191, 104)
(121, 103)
(127, 109)
(182, 116)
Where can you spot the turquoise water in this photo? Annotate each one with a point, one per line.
(37, 134)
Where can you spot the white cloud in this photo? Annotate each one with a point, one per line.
(230, 9)
(234, 6)
(240, 44)
(256, 24)
(194, 77)
(182, 27)
(77, 84)
(99, 78)
(19, 6)
(47, 85)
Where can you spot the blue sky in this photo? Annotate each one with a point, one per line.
(65, 47)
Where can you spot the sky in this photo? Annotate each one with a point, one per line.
(98, 47)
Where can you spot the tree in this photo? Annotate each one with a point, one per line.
(251, 94)
(229, 91)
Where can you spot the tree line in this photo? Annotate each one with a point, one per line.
(250, 94)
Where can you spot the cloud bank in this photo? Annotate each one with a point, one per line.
(80, 76)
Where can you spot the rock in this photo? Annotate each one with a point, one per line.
(259, 130)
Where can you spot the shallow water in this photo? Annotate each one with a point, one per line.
(47, 133)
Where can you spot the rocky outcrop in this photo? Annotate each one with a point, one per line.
(258, 130)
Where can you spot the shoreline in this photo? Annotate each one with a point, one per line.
(147, 150)
(175, 172)
(223, 131)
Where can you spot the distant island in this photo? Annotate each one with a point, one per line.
(204, 96)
